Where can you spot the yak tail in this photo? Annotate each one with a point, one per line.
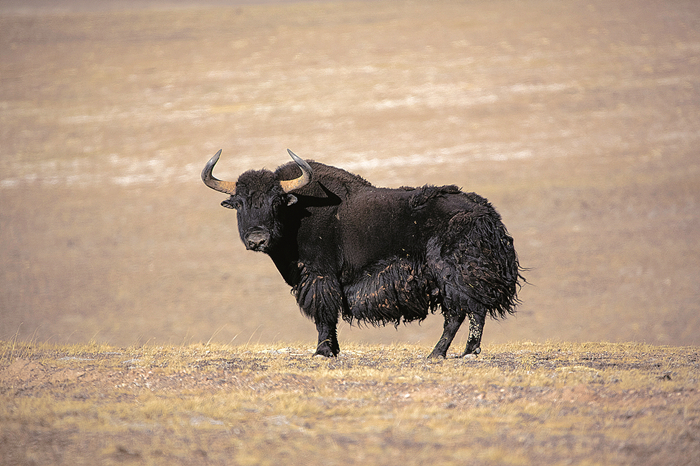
(502, 284)
(488, 261)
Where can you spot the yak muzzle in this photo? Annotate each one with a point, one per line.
(257, 240)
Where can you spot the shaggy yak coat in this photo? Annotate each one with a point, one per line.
(374, 255)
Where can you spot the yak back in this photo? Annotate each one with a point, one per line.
(381, 223)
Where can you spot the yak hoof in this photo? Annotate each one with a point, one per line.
(434, 355)
(325, 352)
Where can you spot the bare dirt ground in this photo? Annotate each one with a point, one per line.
(579, 120)
(519, 404)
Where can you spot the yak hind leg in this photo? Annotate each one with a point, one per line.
(452, 324)
(327, 340)
(476, 329)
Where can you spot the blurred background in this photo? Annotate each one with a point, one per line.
(579, 120)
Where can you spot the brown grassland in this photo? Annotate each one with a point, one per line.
(578, 120)
(519, 404)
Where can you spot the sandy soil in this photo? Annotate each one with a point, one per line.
(578, 120)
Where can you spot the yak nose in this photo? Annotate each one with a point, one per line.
(257, 240)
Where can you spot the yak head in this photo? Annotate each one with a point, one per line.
(260, 199)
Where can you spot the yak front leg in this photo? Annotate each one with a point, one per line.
(320, 298)
(327, 339)
(452, 324)
(476, 329)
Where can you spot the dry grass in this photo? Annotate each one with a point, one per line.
(577, 119)
(554, 403)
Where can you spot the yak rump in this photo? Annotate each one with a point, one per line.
(475, 259)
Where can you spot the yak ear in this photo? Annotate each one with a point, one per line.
(291, 199)
(228, 204)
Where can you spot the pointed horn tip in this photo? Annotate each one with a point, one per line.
(216, 156)
(212, 161)
(301, 162)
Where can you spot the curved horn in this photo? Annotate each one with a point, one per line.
(228, 187)
(303, 180)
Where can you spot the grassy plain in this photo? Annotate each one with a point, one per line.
(520, 404)
(577, 119)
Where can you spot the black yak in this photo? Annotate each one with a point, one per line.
(376, 255)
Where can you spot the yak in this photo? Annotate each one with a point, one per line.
(376, 255)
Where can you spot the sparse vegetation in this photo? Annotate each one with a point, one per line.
(554, 403)
(577, 119)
